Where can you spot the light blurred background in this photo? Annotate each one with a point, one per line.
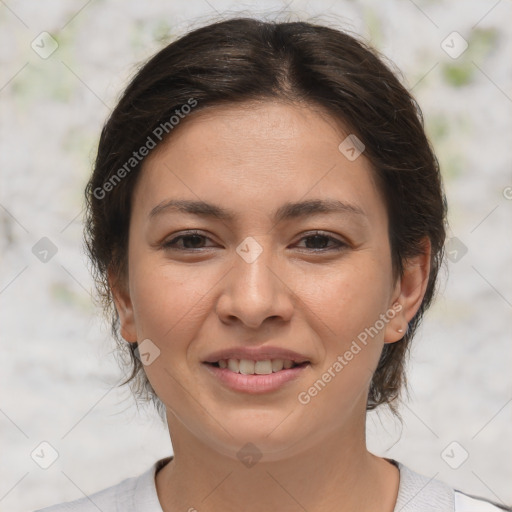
(59, 373)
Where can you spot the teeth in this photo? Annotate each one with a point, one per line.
(248, 367)
(277, 364)
(234, 365)
(263, 367)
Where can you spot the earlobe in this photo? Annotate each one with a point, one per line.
(409, 293)
(123, 306)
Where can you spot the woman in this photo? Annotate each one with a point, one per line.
(266, 219)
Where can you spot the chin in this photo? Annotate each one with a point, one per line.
(254, 440)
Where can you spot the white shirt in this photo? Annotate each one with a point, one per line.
(416, 493)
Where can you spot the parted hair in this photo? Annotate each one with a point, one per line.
(240, 60)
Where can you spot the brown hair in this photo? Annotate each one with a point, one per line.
(240, 60)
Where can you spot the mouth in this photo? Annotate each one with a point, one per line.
(262, 367)
(256, 377)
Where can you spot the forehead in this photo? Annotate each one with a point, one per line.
(254, 156)
(257, 128)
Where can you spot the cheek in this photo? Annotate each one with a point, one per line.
(170, 305)
(349, 297)
(166, 299)
(345, 307)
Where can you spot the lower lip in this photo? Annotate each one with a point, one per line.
(255, 384)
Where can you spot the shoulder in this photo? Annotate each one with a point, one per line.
(131, 495)
(419, 493)
(106, 500)
(467, 503)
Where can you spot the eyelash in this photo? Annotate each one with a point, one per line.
(170, 245)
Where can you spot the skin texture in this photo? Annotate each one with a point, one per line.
(251, 159)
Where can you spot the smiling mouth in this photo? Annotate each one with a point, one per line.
(249, 367)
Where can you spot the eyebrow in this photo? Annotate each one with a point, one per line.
(289, 210)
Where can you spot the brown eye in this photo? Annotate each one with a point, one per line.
(319, 242)
(189, 241)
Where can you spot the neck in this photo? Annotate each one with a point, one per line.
(336, 474)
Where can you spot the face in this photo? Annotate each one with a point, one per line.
(262, 274)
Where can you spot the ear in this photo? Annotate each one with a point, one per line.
(409, 292)
(124, 307)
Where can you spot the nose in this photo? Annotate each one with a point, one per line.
(256, 291)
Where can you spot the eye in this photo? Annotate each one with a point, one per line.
(194, 240)
(190, 241)
(320, 239)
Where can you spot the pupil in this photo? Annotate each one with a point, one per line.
(197, 239)
(317, 238)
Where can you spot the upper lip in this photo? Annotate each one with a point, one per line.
(256, 354)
